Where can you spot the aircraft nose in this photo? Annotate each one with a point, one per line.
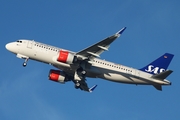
(8, 46)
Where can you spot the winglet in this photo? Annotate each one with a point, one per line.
(92, 88)
(121, 31)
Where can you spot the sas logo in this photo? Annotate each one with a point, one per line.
(155, 70)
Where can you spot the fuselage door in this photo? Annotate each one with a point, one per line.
(30, 44)
(137, 73)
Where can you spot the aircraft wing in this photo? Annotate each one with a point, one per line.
(98, 48)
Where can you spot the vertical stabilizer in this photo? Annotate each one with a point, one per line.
(159, 65)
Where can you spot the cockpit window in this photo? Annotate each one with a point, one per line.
(19, 41)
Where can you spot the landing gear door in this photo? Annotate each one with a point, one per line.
(30, 44)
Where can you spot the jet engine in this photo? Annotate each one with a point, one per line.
(58, 76)
(66, 57)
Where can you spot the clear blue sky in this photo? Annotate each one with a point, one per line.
(153, 28)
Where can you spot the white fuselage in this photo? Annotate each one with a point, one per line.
(97, 69)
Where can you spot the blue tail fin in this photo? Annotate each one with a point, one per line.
(159, 65)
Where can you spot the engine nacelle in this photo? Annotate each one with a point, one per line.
(66, 57)
(57, 76)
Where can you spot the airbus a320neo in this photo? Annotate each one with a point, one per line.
(77, 66)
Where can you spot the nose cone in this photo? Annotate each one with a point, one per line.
(10, 47)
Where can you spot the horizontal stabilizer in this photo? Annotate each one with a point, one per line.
(162, 75)
(158, 87)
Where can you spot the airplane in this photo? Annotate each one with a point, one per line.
(77, 66)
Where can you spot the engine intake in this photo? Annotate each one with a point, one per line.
(57, 76)
(66, 57)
